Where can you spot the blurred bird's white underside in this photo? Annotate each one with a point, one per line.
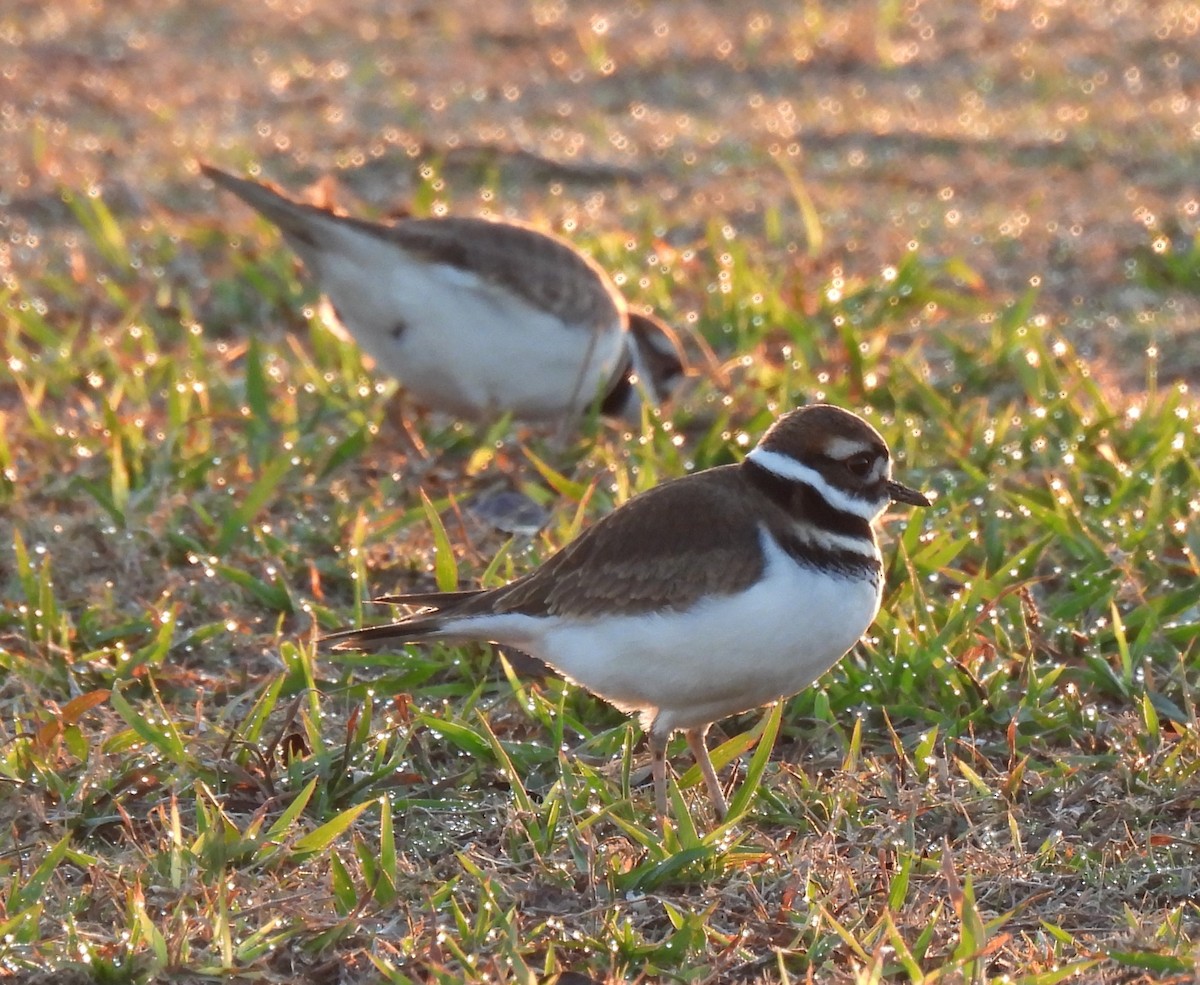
(467, 346)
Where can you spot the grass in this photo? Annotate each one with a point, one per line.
(195, 479)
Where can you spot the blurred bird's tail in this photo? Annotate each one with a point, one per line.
(299, 222)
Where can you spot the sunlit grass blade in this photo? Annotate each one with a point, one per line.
(329, 832)
(263, 489)
(767, 732)
(251, 728)
(101, 227)
(661, 872)
(275, 594)
(458, 735)
(385, 887)
(520, 795)
(159, 732)
(445, 564)
(145, 933)
(283, 824)
(814, 233)
(27, 893)
(560, 483)
(154, 653)
(348, 449)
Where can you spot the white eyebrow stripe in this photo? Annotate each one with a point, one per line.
(846, 447)
(787, 467)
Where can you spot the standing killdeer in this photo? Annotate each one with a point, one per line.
(478, 317)
(708, 595)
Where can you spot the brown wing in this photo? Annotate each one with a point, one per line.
(665, 549)
(544, 270)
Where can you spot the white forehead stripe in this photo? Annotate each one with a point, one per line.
(787, 467)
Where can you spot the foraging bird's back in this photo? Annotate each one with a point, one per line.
(706, 596)
(477, 317)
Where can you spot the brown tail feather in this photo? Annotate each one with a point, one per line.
(410, 631)
(429, 600)
(415, 629)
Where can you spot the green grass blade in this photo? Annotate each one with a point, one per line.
(329, 832)
(162, 735)
(266, 486)
(768, 731)
(445, 565)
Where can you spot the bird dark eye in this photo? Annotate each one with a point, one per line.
(860, 465)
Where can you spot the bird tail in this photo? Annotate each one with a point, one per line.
(417, 628)
(428, 600)
(296, 219)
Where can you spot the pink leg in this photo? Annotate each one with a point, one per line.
(695, 741)
(658, 769)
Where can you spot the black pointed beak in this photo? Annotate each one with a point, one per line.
(901, 493)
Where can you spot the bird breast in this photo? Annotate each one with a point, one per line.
(723, 655)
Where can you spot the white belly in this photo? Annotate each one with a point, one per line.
(720, 657)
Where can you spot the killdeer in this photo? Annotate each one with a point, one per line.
(478, 317)
(706, 596)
